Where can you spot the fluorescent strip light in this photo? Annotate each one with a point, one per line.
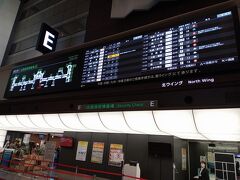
(4, 122)
(219, 124)
(115, 121)
(54, 121)
(71, 120)
(92, 122)
(39, 121)
(14, 121)
(214, 124)
(142, 121)
(178, 123)
(25, 120)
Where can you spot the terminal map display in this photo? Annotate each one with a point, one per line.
(173, 51)
(43, 77)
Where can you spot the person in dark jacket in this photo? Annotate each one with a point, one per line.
(204, 173)
(237, 169)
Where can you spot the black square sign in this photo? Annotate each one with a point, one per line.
(47, 39)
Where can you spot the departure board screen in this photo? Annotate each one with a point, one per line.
(43, 77)
(171, 52)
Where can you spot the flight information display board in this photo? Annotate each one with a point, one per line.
(184, 49)
(183, 54)
(43, 77)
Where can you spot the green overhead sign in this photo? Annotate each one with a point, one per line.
(119, 106)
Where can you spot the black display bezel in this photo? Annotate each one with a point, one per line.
(206, 71)
(9, 94)
(209, 70)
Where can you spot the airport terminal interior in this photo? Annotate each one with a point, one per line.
(120, 89)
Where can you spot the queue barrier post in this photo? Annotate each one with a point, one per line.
(59, 171)
(76, 171)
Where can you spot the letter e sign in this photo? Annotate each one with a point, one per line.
(47, 39)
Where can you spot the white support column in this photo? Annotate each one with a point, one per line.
(8, 13)
(3, 134)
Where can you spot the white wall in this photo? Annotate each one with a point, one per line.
(8, 12)
(2, 137)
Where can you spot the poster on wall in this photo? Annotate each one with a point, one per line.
(116, 155)
(97, 152)
(81, 154)
(211, 158)
(184, 159)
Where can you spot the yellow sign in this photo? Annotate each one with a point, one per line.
(116, 155)
(82, 151)
(97, 152)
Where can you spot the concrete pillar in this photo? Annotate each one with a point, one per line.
(8, 13)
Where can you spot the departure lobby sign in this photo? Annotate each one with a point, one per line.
(47, 39)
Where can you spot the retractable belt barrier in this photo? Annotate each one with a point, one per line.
(23, 171)
(60, 171)
(34, 174)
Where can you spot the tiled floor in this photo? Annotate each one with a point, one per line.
(12, 176)
(5, 175)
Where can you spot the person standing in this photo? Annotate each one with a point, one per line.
(204, 173)
(238, 170)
